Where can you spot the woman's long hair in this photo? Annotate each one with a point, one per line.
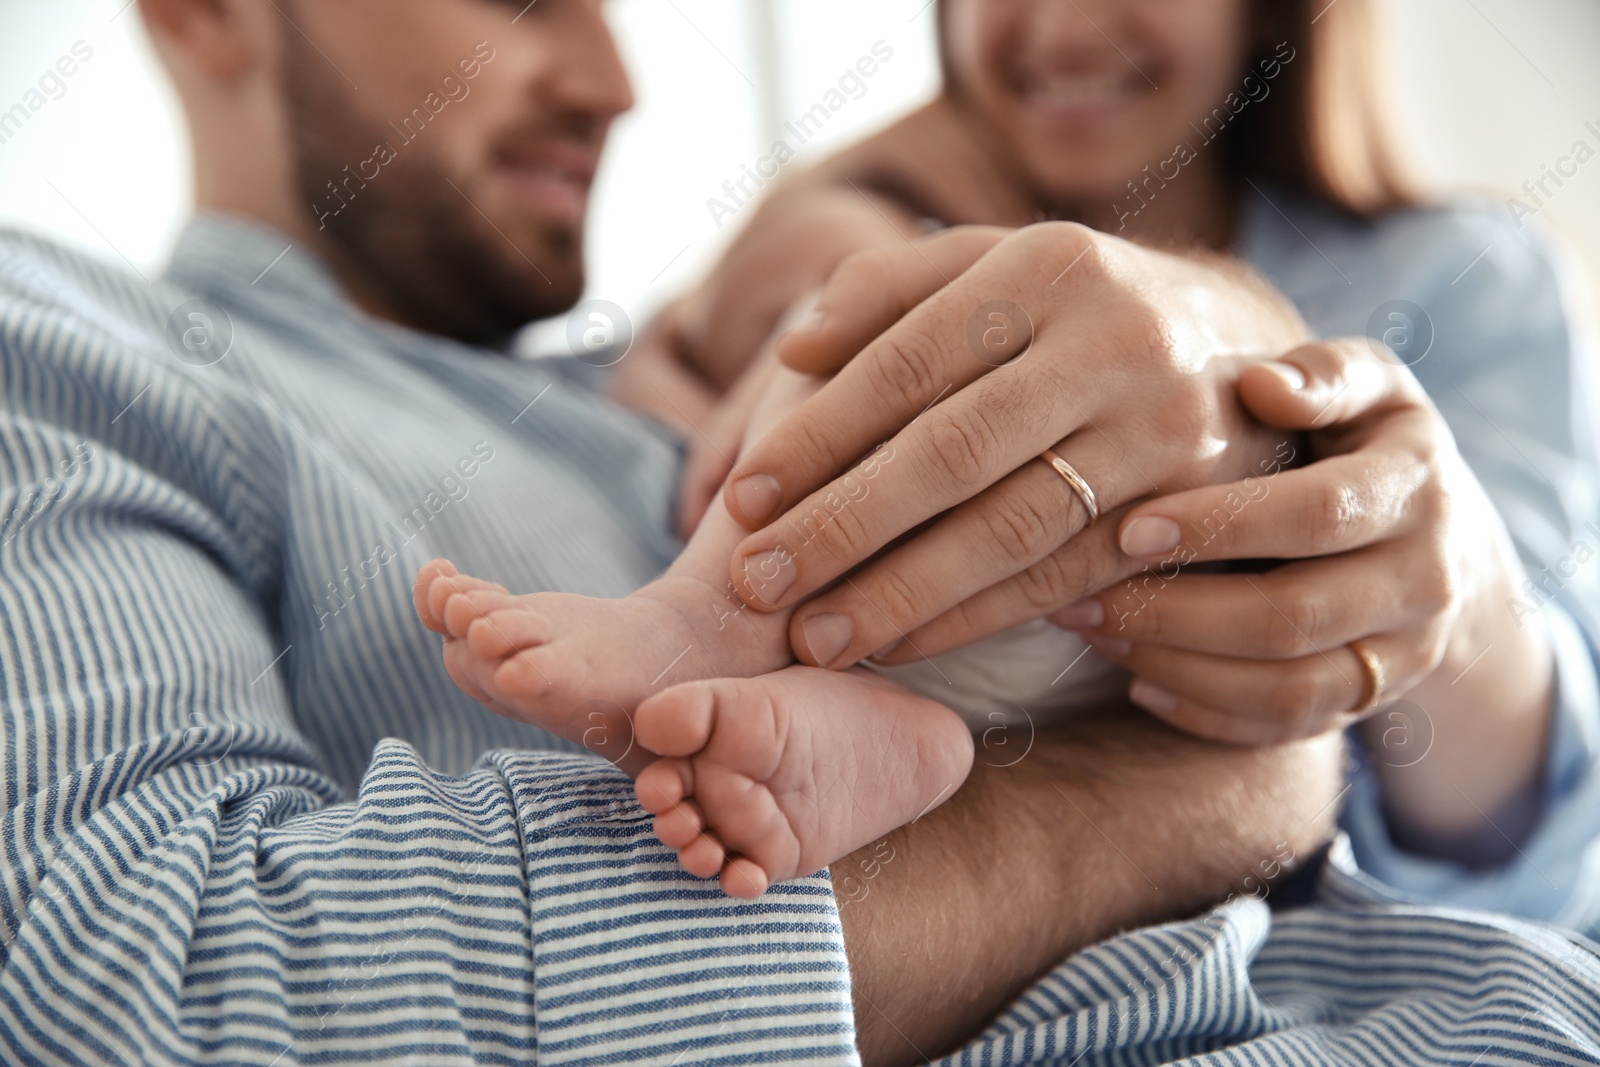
(1326, 129)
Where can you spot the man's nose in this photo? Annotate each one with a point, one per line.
(585, 73)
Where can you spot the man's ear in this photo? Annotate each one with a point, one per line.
(210, 37)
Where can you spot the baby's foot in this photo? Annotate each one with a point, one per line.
(456, 661)
(578, 666)
(766, 779)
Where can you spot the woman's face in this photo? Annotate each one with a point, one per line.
(1086, 93)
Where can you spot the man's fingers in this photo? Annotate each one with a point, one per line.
(1326, 383)
(1336, 505)
(873, 289)
(1088, 562)
(1004, 530)
(921, 378)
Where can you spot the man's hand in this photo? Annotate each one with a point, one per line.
(979, 349)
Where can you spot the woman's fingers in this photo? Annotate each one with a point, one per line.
(1300, 609)
(1326, 383)
(1248, 701)
(872, 290)
(1006, 529)
(1336, 505)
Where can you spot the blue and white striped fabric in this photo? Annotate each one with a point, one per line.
(1356, 979)
(215, 849)
(211, 848)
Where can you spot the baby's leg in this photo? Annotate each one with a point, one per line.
(768, 773)
(578, 666)
(707, 554)
(770, 778)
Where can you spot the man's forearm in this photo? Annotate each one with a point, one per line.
(1113, 822)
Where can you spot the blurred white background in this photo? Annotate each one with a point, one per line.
(1490, 91)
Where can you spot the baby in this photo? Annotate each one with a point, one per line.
(767, 770)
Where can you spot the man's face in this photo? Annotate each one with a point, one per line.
(444, 150)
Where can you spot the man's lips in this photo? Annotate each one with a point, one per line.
(555, 179)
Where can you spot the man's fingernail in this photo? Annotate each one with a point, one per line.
(1084, 615)
(827, 636)
(1150, 537)
(887, 649)
(1153, 698)
(768, 575)
(1114, 647)
(757, 496)
(1292, 376)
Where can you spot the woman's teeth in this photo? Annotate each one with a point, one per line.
(1081, 92)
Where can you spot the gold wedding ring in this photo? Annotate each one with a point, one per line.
(1075, 480)
(1375, 678)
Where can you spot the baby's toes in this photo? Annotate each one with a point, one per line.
(676, 721)
(540, 674)
(431, 572)
(447, 587)
(461, 610)
(702, 857)
(500, 633)
(680, 824)
(462, 667)
(664, 784)
(749, 823)
(744, 878)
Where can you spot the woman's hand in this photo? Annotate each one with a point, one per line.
(1382, 525)
(1128, 368)
(1397, 547)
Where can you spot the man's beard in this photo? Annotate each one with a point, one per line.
(408, 239)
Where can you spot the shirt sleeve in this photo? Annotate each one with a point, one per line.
(180, 882)
(1514, 378)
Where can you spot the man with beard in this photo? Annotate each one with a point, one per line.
(249, 817)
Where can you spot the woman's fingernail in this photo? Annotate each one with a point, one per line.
(758, 496)
(768, 575)
(811, 320)
(1153, 698)
(1292, 376)
(887, 649)
(1084, 615)
(1114, 647)
(827, 635)
(1150, 537)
